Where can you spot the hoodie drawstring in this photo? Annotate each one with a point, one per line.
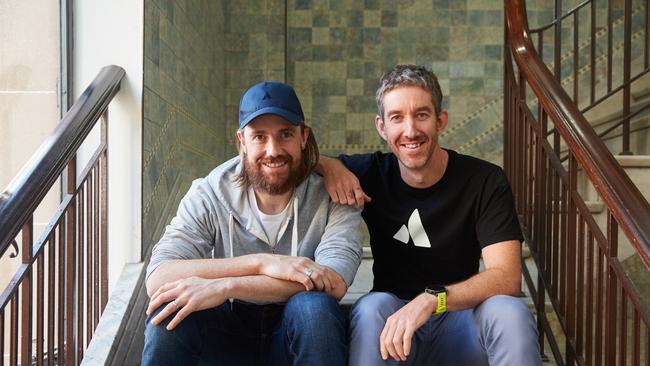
(294, 232)
(230, 236)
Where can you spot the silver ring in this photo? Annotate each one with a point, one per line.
(175, 304)
(308, 272)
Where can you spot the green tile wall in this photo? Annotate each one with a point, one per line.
(337, 51)
(254, 47)
(184, 98)
(199, 57)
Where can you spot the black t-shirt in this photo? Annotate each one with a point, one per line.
(432, 235)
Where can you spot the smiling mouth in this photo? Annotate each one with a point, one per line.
(275, 164)
(412, 145)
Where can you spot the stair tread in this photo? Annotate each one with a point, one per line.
(616, 114)
(636, 161)
(595, 206)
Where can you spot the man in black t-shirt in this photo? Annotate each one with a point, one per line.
(433, 214)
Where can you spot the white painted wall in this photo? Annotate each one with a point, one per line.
(105, 33)
(29, 71)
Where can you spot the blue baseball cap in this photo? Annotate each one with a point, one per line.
(270, 97)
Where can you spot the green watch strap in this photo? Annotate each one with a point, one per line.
(441, 306)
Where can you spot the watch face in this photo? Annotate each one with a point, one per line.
(435, 289)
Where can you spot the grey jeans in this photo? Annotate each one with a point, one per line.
(500, 331)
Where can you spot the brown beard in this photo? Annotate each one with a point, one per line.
(261, 182)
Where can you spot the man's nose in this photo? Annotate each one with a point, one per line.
(410, 129)
(273, 147)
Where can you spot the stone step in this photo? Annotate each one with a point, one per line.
(611, 109)
(634, 161)
(532, 269)
(595, 206)
(615, 115)
(636, 167)
(362, 282)
(367, 252)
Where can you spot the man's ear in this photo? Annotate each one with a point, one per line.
(305, 136)
(381, 127)
(441, 120)
(240, 138)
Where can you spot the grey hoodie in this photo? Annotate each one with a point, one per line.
(214, 219)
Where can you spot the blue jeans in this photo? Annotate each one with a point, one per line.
(500, 331)
(308, 330)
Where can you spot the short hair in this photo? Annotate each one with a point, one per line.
(310, 156)
(409, 75)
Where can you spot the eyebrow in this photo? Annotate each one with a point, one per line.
(421, 109)
(424, 109)
(263, 131)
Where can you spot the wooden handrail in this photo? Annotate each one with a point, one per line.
(622, 197)
(29, 187)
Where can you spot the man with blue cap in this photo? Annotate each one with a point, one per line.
(250, 269)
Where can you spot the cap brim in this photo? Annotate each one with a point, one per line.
(293, 118)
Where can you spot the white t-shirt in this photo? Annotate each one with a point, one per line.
(272, 224)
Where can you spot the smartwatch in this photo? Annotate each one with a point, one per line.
(440, 292)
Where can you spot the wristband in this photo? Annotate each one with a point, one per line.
(440, 292)
(441, 307)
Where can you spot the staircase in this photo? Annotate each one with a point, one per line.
(59, 291)
(605, 116)
(488, 119)
(584, 216)
(637, 167)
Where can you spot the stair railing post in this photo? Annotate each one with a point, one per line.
(611, 298)
(627, 64)
(70, 260)
(26, 315)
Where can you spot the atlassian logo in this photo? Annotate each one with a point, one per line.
(415, 231)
